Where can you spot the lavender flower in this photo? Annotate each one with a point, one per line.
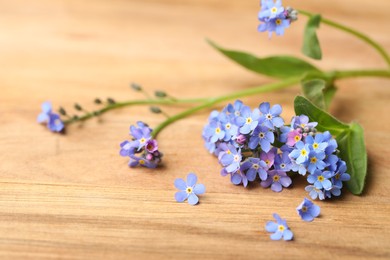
(254, 166)
(189, 190)
(135, 161)
(320, 179)
(274, 17)
(277, 180)
(142, 150)
(301, 153)
(52, 120)
(248, 120)
(314, 192)
(231, 159)
(271, 116)
(308, 210)
(279, 229)
(263, 137)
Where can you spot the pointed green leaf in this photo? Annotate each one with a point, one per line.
(326, 122)
(311, 45)
(350, 139)
(319, 91)
(353, 152)
(274, 66)
(312, 89)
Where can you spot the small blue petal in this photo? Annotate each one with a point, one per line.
(193, 199)
(199, 189)
(191, 179)
(277, 235)
(180, 184)
(287, 235)
(181, 196)
(271, 226)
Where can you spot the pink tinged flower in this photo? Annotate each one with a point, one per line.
(151, 146)
(293, 137)
(269, 157)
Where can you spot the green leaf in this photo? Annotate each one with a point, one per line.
(311, 45)
(326, 122)
(353, 152)
(274, 66)
(350, 139)
(319, 91)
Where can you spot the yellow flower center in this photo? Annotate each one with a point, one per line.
(141, 162)
(313, 160)
(278, 21)
(276, 177)
(337, 176)
(142, 140)
(227, 126)
(281, 228)
(315, 145)
(274, 10)
(228, 152)
(267, 162)
(320, 178)
(189, 190)
(249, 120)
(303, 152)
(297, 138)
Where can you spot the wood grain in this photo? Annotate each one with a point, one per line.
(72, 197)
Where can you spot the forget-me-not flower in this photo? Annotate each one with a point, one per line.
(53, 120)
(308, 210)
(271, 116)
(279, 229)
(189, 190)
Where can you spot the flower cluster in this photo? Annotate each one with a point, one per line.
(253, 144)
(274, 17)
(142, 149)
(52, 120)
(315, 155)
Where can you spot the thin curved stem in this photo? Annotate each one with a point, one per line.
(361, 73)
(247, 92)
(109, 107)
(266, 88)
(359, 35)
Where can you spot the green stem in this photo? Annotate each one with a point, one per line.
(212, 101)
(133, 103)
(361, 73)
(360, 35)
(266, 88)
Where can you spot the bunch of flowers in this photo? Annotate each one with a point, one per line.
(255, 144)
(274, 17)
(142, 149)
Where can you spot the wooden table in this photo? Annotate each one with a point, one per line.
(73, 196)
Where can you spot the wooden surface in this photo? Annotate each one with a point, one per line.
(73, 196)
